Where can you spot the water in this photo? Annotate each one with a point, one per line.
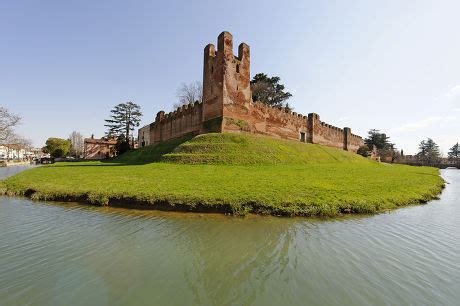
(71, 254)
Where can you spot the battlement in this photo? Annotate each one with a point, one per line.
(269, 108)
(227, 106)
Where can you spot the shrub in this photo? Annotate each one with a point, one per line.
(364, 151)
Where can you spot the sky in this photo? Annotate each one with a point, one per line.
(387, 65)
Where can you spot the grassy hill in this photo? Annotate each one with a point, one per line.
(239, 149)
(235, 173)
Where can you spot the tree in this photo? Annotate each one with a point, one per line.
(57, 147)
(189, 93)
(377, 139)
(122, 145)
(76, 144)
(454, 153)
(7, 122)
(125, 117)
(269, 91)
(385, 149)
(428, 152)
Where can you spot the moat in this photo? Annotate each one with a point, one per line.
(72, 254)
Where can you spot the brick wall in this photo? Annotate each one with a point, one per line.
(228, 107)
(184, 120)
(259, 118)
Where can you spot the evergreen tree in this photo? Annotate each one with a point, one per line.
(377, 139)
(122, 145)
(269, 91)
(125, 117)
(454, 153)
(385, 149)
(428, 152)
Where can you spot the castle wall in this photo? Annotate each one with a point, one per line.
(184, 120)
(354, 142)
(143, 136)
(228, 107)
(259, 118)
(325, 134)
(332, 136)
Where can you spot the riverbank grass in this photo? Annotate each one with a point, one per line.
(234, 173)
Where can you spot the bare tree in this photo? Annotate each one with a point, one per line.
(76, 144)
(25, 143)
(7, 122)
(189, 93)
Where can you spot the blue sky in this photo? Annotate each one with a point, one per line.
(389, 65)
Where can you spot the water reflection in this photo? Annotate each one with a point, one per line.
(53, 253)
(9, 171)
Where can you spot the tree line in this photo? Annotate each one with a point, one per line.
(73, 146)
(379, 144)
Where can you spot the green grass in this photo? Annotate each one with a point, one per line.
(236, 173)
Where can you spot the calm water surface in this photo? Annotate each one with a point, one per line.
(70, 254)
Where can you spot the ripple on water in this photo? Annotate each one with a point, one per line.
(70, 253)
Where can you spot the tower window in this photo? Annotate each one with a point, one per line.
(237, 68)
(212, 69)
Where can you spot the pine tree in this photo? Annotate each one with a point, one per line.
(428, 152)
(268, 90)
(380, 141)
(454, 153)
(125, 117)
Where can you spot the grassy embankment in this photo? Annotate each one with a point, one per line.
(237, 174)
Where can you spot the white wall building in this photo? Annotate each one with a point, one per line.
(13, 152)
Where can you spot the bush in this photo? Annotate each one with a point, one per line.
(364, 151)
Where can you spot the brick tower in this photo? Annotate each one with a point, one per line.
(225, 81)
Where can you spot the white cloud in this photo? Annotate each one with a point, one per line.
(425, 123)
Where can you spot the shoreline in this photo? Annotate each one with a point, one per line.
(234, 174)
(13, 164)
(200, 208)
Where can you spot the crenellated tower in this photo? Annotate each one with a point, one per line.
(226, 79)
(227, 106)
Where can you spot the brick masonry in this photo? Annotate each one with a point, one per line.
(228, 107)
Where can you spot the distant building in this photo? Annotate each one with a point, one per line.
(12, 151)
(99, 148)
(143, 136)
